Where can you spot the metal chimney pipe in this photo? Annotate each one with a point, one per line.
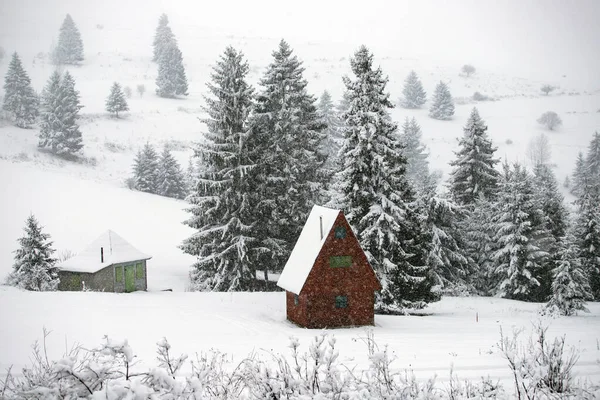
(101, 254)
(321, 225)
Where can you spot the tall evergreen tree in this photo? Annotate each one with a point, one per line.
(285, 135)
(476, 231)
(442, 106)
(70, 46)
(145, 170)
(474, 174)
(451, 267)
(570, 287)
(170, 179)
(333, 135)
(579, 176)
(20, 100)
(34, 267)
(414, 94)
(171, 80)
(521, 236)
(222, 210)
(588, 220)
(60, 110)
(162, 38)
(551, 201)
(380, 204)
(417, 169)
(116, 101)
(191, 176)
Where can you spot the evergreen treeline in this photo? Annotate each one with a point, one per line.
(158, 174)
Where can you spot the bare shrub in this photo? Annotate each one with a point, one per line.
(539, 151)
(467, 70)
(546, 89)
(481, 97)
(550, 120)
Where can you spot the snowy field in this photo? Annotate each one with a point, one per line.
(76, 202)
(241, 323)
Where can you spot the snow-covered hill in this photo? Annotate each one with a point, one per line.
(76, 201)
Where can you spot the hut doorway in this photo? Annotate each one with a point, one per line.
(130, 278)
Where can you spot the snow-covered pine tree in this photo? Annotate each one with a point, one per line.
(451, 268)
(171, 80)
(163, 36)
(191, 176)
(579, 176)
(333, 135)
(222, 212)
(442, 106)
(116, 101)
(20, 100)
(170, 180)
(34, 267)
(521, 237)
(70, 46)
(476, 232)
(474, 175)
(60, 110)
(414, 94)
(588, 220)
(145, 170)
(417, 169)
(587, 232)
(285, 135)
(570, 286)
(378, 199)
(592, 162)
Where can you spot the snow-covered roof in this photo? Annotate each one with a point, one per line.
(307, 249)
(116, 250)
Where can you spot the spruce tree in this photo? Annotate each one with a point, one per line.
(417, 169)
(20, 101)
(34, 267)
(414, 94)
(476, 231)
(451, 268)
(191, 176)
(442, 106)
(378, 199)
(579, 176)
(570, 287)
(60, 110)
(70, 46)
(592, 162)
(222, 212)
(170, 179)
(145, 170)
(551, 201)
(474, 175)
(162, 38)
(285, 135)
(171, 80)
(333, 135)
(116, 101)
(521, 237)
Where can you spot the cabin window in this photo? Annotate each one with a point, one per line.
(340, 232)
(296, 300)
(139, 271)
(340, 261)
(341, 301)
(119, 274)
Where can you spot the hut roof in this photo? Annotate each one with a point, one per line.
(307, 248)
(116, 250)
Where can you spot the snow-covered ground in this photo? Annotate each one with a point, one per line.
(507, 42)
(241, 323)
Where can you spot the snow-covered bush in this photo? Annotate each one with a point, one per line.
(111, 372)
(550, 120)
(467, 70)
(128, 92)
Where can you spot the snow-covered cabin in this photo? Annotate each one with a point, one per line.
(108, 264)
(328, 280)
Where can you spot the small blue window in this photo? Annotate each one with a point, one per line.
(341, 301)
(340, 232)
